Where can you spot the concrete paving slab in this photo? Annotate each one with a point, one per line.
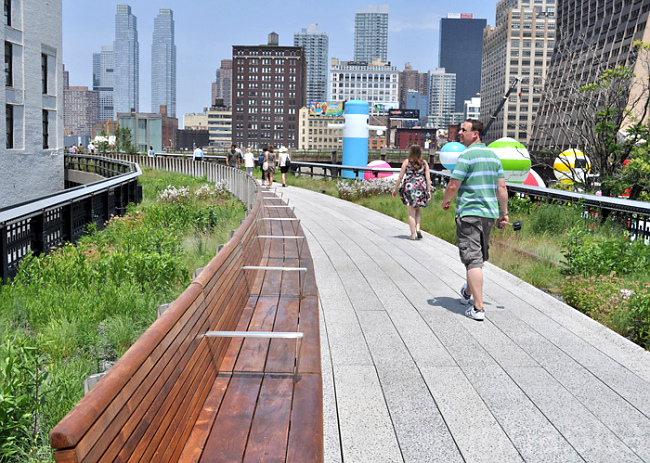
(413, 379)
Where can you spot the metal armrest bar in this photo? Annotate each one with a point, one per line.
(297, 335)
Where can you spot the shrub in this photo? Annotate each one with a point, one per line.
(640, 317)
(553, 218)
(594, 254)
(22, 367)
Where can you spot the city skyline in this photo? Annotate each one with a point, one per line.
(205, 36)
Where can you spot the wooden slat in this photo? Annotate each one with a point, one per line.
(229, 436)
(267, 441)
(195, 444)
(306, 434)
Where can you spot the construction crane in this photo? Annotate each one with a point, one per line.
(517, 81)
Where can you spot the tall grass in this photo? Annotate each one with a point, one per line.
(77, 309)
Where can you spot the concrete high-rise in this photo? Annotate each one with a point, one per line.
(461, 50)
(520, 44)
(412, 79)
(592, 36)
(316, 45)
(222, 86)
(268, 91)
(103, 80)
(80, 110)
(163, 63)
(126, 90)
(442, 91)
(371, 34)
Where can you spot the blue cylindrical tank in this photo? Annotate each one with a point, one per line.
(355, 136)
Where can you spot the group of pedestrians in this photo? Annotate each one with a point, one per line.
(267, 161)
(482, 200)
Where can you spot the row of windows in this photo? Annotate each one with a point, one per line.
(265, 110)
(255, 61)
(364, 77)
(267, 135)
(267, 53)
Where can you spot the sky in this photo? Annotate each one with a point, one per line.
(206, 30)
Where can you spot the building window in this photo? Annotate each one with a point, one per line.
(44, 72)
(46, 129)
(10, 126)
(8, 12)
(9, 68)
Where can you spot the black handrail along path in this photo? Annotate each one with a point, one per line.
(633, 215)
(42, 224)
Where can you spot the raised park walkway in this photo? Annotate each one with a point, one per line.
(407, 377)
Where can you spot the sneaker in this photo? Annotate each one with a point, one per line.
(475, 314)
(464, 298)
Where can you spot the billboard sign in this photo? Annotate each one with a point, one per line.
(326, 108)
(404, 113)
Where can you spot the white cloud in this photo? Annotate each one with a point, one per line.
(428, 21)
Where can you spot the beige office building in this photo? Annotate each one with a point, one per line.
(519, 45)
(315, 135)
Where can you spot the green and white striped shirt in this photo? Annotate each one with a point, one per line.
(478, 168)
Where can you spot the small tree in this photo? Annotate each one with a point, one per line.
(103, 146)
(124, 141)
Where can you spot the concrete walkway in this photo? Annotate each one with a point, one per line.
(407, 377)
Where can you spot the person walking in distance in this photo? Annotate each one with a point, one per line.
(249, 161)
(479, 182)
(415, 192)
(198, 154)
(284, 160)
(235, 156)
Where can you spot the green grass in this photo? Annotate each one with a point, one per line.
(82, 306)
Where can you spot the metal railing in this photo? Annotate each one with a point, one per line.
(237, 182)
(39, 225)
(633, 215)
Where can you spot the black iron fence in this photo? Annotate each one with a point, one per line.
(49, 221)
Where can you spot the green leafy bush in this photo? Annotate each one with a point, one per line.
(640, 317)
(594, 254)
(553, 219)
(22, 372)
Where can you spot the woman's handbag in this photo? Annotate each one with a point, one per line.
(265, 165)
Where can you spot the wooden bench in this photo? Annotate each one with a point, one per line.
(178, 395)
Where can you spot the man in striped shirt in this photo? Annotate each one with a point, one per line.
(482, 197)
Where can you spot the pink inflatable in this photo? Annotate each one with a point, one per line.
(368, 175)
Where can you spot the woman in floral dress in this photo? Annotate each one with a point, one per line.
(416, 189)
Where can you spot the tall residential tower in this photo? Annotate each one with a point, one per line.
(163, 63)
(316, 45)
(222, 86)
(126, 93)
(103, 80)
(371, 34)
(268, 91)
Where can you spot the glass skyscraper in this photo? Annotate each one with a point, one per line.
(461, 52)
(163, 63)
(371, 34)
(316, 45)
(126, 90)
(103, 67)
